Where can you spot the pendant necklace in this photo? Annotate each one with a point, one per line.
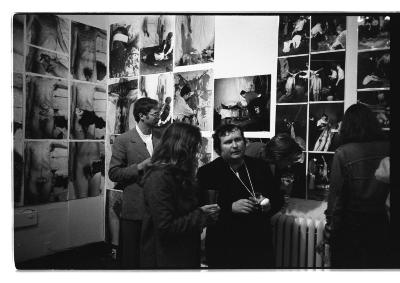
(251, 192)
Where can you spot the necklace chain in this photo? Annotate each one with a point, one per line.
(252, 193)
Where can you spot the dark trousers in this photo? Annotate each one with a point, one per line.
(129, 243)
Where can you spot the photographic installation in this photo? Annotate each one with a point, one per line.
(374, 69)
(88, 53)
(122, 94)
(86, 169)
(88, 111)
(292, 80)
(124, 48)
(243, 101)
(45, 172)
(193, 98)
(157, 44)
(379, 102)
(319, 169)
(324, 124)
(294, 34)
(44, 62)
(328, 32)
(373, 32)
(292, 119)
(195, 36)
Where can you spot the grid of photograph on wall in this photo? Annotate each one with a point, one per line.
(59, 109)
(310, 94)
(373, 73)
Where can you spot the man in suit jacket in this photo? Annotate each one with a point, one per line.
(131, 154)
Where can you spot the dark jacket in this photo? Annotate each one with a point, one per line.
(240, 240)
(172, 222)
(127, 152)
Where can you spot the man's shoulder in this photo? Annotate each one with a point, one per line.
(126, 136)
(216, 163)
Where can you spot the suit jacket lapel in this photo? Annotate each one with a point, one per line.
(139, 143)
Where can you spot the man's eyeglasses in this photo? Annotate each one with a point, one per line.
(155, 114)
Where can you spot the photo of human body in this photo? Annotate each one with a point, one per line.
(193, 98)
(319, 169)
(88, 111)
(124, 48)
(379, 103)
(46, 108)
(86, 169)
(243, 101)
(324, 125)
(373, 32)
(88, 53)
(161, 88)
(292, 119)
(48, 31)
(18, 43)
(18, 104)
(113, 215)
(328, 32)
(374, 69)
(45, 172)
(327, 76)
(292, 81)
(122, 94)
(195, 37)
(44, 62)
(294, 34)
(157, 44)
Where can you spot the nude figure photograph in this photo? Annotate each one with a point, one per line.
(86, 169)
(113, 214)
(124, 48)
(88, 53)
(18, 43)
(47, 63)
(46, 108)
(195, 39)
(88, 111)
(45, 172)
(157, 44)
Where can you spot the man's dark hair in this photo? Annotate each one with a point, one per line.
(224, 130)
(143, 106)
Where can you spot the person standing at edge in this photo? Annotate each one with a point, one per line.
(242, 236)
(131, 155)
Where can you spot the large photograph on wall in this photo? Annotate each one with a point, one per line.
(88, 111)
(157, 44)
(18, 43)
(124, 48)
(88, 53)
(379, 102)
(193, 98)
(243, 101)
(47, 63)
(292, 120)
(373, 31)
(46, 108)
(294, 35)
(374, 69)
(159, 87)
(86, 169)
(45, 172)
(122, 94)
(195, 37)
(328, 32)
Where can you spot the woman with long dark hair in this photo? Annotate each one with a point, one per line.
(173, 220)
(357, 223)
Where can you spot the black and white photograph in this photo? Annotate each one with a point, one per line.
(48, 31)
(86, 169)
(124, 48)
(373, 31)
(292, 119)
(373, 69)
(46, 108)
(113, 216)
(18, 104)
(206, 151)
(18, 42)
(159, 87)
(156, 44)
(193, 98)
(379, 102)
(328, 32)
(195, 37)
(324, 125)
(327, 76)
(292, 81)
(243, 101)
(294, 35)
(88, 111)
(88, 53)
(18, 174)
(319, 169)
(122, 94)
(45, 172)
(47, 63)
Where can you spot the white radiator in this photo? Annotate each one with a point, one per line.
(295, 241)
